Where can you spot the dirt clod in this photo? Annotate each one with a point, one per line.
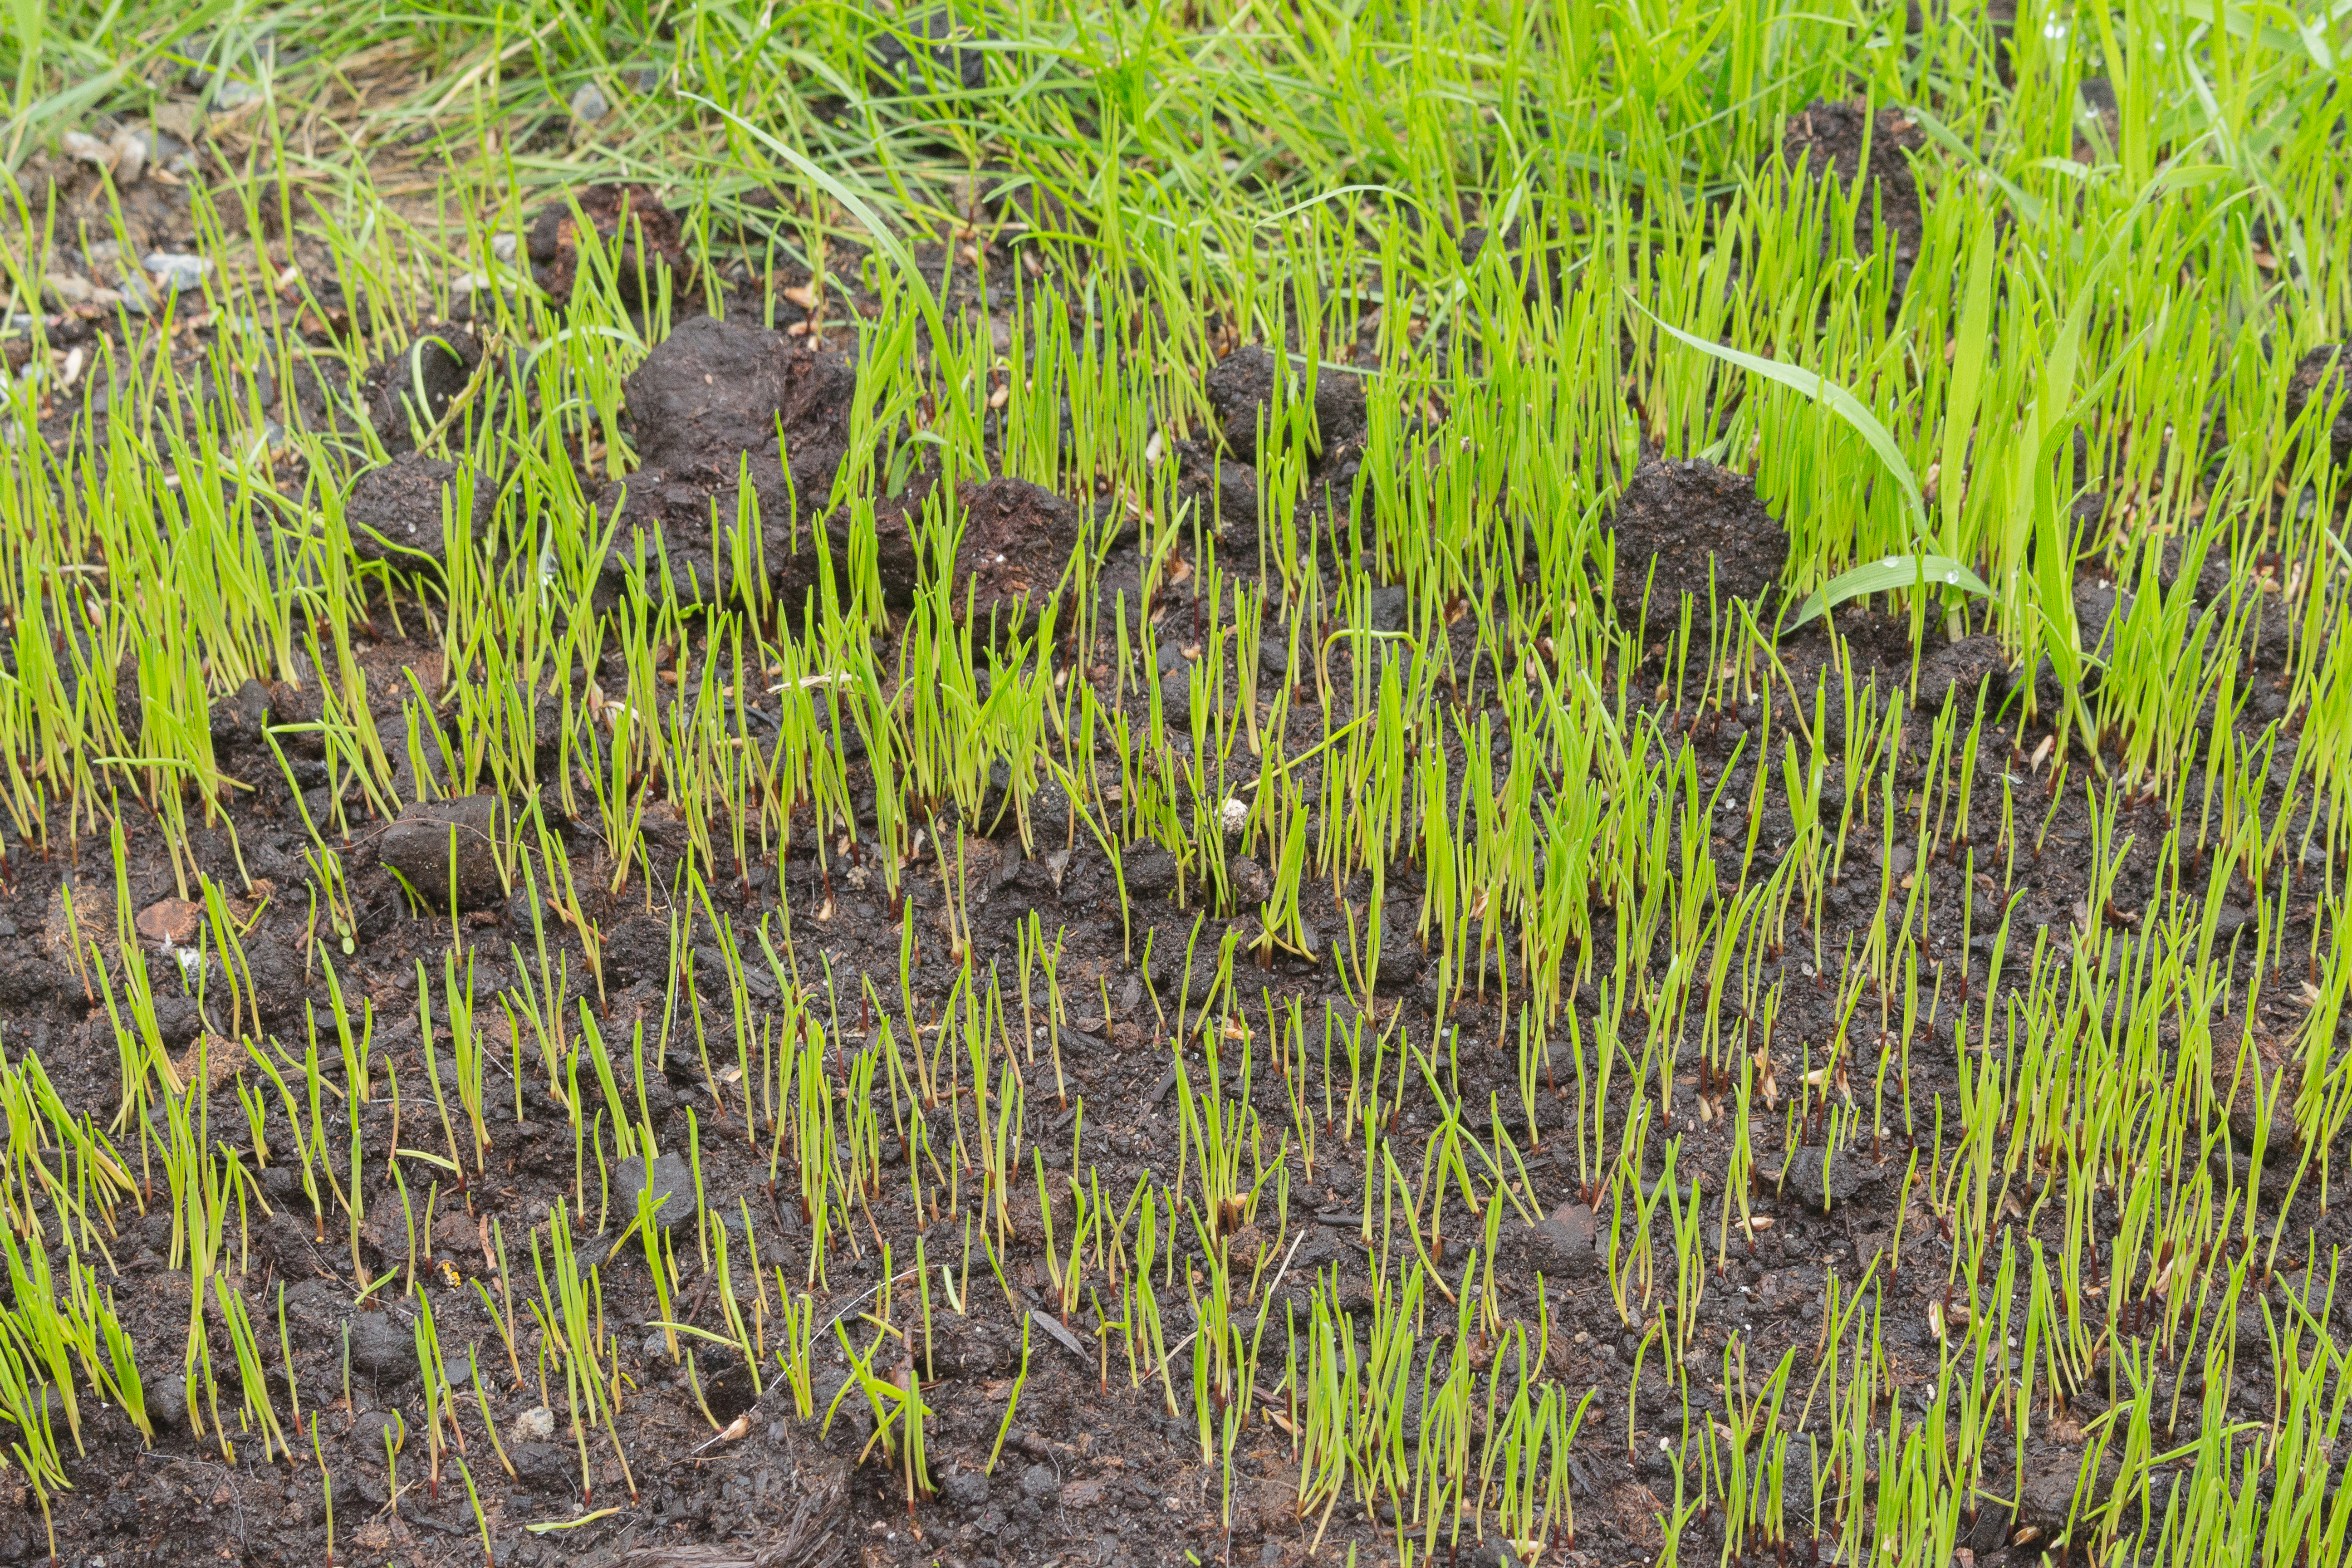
(412, 389)
(545, 1467)
(716, 389)
(2320, 374)
(1832, 140)
(710, 406)
(420, 847)
(1016, 538)
(1562, 1247)
(1826, 1184)
(383, 1348)
(237, 719)
(673, 1187)
(1699, 524)
(935, 58)
(1242, 388)
(398, 512)
(167, 1403)
(639, 236)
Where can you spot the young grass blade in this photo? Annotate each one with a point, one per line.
(1822, 390)
(1887, 575)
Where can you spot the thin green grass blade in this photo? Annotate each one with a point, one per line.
(1821, 389)
(1884, 577)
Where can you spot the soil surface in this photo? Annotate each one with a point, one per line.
(399, 511)
(1094, 1464)
(643, 238)
(1690, 529)
(2320, 374)
(1845, 140)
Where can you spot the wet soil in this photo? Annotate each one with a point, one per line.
(2320, 374)
(642, 240)
(719, 406)
(411, 390)
(928, 52)
(1251, 384)
(399, 511)
(1693, 531)
(1843, 141)
(1093, 1467)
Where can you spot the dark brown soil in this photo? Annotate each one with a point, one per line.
(2320, 374)
(1843, 140)
(1958, 670)
(1094, 1468)
(1089, 1472)
(1692, 530)
(1016, 541)
(412, 390)
(1243, 389)
(640, 237)
(715, 404)
(923, 55)
(711, 407)
(397, 511)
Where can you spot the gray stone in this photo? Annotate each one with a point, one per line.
(588, 105)
(88, 149)
(419, 847)
(536, 1424)
(133, 149)
(177, 272)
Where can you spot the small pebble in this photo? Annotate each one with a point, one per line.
(88, 149)
(131, 149)
(176, 270)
